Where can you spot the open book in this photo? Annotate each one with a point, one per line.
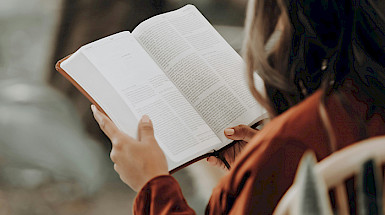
(175, 68)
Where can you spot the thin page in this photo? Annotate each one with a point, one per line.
(145, 89)
(203, 66)
(88, 77)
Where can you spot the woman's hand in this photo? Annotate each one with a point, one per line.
(243, 134)
(136, 161)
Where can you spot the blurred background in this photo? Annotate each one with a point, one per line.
(53, 157)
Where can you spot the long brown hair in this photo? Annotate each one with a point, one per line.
(263, 17)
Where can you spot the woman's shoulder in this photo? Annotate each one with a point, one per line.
(298, 124)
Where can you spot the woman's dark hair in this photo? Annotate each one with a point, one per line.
(320, 42)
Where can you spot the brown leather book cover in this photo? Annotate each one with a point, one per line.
(73, 82)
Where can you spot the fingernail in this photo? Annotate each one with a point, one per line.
(93, 108)
(229, 131)
(145, 119)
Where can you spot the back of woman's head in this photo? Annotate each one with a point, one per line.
(322, 43)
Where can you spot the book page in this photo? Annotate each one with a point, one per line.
(145, 89)
(204, 67)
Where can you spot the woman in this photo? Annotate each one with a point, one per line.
(324, 90)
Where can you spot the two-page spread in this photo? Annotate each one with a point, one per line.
(176, 68)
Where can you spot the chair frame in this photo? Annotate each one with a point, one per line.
(337, 167)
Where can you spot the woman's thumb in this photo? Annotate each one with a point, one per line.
(240, 132)
(145, 129)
